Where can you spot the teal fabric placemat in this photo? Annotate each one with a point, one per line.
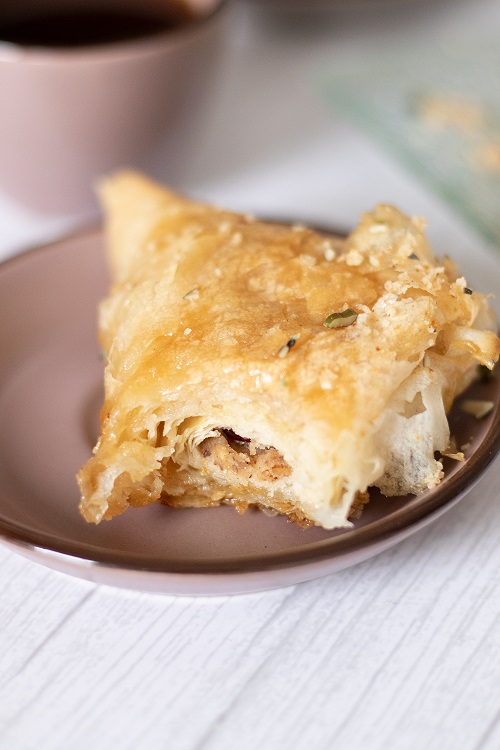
(437, 110)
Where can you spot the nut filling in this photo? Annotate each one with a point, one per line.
(244, 457)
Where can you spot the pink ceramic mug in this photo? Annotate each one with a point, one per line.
(73, 110)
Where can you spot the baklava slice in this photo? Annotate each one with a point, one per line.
(253, 363)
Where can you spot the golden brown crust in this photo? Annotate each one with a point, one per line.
(215, 322)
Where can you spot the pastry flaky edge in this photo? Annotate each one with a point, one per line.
(235, 373)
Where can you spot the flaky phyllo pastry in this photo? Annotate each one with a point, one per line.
(254, 363)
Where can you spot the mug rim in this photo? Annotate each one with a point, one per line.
(11, 53)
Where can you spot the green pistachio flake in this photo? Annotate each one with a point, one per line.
(341, 319)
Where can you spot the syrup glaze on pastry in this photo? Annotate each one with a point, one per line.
(256, 363)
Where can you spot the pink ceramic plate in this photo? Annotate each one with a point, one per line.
(50, 394)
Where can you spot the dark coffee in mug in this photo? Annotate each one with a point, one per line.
(81, 27)
(89, 87)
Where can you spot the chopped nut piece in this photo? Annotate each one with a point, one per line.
(452, 451)
(455, 456)
(341, 319)
(329, 253)
(353, 258)
(478, 409)
(286, 347)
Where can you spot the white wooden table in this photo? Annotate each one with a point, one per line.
(399, 652)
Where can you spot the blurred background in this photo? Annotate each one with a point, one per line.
(316, 108)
